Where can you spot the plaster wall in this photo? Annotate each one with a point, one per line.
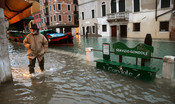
(148, 24)
(87, 8)
(5, 72)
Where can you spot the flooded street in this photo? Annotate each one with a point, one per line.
(69, 79)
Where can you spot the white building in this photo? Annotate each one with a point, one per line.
(126, 18)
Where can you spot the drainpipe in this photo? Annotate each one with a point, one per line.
(156, 11)
(157, 16)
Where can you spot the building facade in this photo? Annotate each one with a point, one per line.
(127, 18)
(37, 19)
(60, 15)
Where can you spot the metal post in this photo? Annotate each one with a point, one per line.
(136, 61)
(120, 58)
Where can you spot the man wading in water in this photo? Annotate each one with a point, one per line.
(37, 45)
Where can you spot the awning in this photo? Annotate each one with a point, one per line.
(21, 24)
(16, 10)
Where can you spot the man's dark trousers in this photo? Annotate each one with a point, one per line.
(32, 65)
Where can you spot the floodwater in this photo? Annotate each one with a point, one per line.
(69, 79)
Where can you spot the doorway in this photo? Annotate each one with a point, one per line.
(114, 31)
(123, 31)
(83, 30)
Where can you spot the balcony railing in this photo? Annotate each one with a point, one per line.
(118, 16)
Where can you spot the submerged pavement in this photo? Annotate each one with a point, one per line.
(69, 79)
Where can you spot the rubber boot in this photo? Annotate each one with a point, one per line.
(31, 70)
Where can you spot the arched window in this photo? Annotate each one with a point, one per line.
(113, 6)
(103, 9)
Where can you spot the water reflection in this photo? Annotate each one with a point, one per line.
(69, 79)
(161, 48)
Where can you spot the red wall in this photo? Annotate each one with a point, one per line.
(37, 20)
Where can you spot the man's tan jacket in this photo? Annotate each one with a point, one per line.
(37, 46)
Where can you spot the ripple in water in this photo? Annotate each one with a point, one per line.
(70, 80)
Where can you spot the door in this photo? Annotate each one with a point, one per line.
(83, 30)
(114, 31)
(123, 31)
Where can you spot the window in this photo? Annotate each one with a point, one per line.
(68, 7)
(164, 26)
(54, 18)
(113, 6)
(75, 8)
(53, 7)
(121, 5)
(136, 26)
(82, 15)
(69, 18)
(104, 28)
(60, 18)
(165, 3)
(51, 18)
(93, 29)
(39, 15)
(136, 5)
(50, 8)
(93, 14)
(59, 6)
(48, 20)
(103, 9)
